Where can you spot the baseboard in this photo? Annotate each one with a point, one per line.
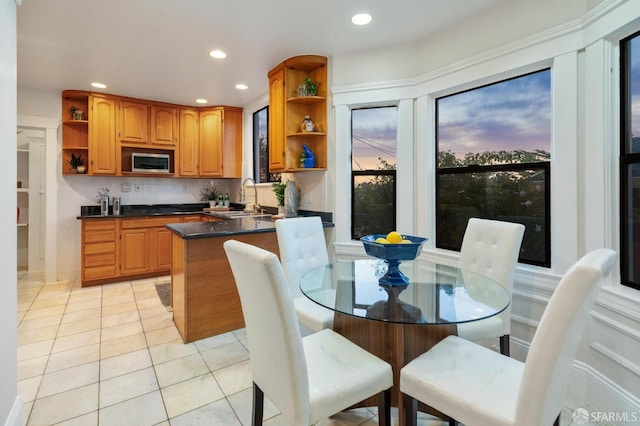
(15, 415)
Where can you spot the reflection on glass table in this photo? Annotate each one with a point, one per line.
(435, 294)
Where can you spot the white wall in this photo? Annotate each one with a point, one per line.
(10, 403)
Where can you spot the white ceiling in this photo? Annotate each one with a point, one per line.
(158, 49)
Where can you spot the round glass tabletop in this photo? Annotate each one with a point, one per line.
(435, 294)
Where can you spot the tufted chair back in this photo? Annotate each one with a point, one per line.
(548, 366)
(491, 248)
(277, 353)
(302, 247)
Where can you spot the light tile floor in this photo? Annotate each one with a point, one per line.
(111, 355)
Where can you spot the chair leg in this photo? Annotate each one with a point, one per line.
(504, 345)
(258, 406)
(384, 408)
(410, 410)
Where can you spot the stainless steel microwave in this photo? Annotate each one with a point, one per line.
(149, 163)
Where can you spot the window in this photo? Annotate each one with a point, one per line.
(493, 161)
(261, 148)
(373, 170)
(630, 161)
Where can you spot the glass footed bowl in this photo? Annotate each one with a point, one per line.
(393, 255)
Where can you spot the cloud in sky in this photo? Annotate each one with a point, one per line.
(509, 115)
(373, 133)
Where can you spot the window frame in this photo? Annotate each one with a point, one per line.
(471, 169)
(626, 159)
(371, 172)
(271, 177)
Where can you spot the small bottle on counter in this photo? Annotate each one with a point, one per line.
(226, 199)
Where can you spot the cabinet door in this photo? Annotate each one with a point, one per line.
(134, 254)
(188, 143)
(232, 143)
(102, 139)
(162, 247)
(276, 122)
(211, 143)
(133, 122)
(164, 125)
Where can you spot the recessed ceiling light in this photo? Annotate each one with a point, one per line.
(99, 85)
(201, 101)
(218, 54)
(361, 19)
(241, 86)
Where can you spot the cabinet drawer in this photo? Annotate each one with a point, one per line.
(100, 225)
(99, 248)
(98, 260)
(107, 271)
(151, 222)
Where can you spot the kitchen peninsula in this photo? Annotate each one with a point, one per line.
(204, 296)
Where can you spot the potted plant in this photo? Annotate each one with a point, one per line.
(76, 163)
(76, 114)
(312, 88)
(209, 193)
(278, 189)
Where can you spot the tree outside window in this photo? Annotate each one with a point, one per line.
(373, 170)
(493, 161)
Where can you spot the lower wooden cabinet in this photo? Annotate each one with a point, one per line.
(117, 249)
(99, 249)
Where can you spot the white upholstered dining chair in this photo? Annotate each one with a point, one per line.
(491, 248)
(480, 387)
(308, 379)
(303, 247)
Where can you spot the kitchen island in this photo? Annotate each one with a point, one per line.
(204, 296)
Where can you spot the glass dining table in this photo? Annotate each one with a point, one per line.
(399, 322)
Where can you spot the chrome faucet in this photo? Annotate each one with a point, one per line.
(255, 193)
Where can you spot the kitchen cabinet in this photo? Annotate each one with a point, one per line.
(102, 138)
(164, 125)
(276, 120)
(132, 126)
(211, 143)
(161, 244)
(200, 142)
(221, 142)
(99, 250)
(134, 251)
(288, 109)
(188, 145)
(116, 249)
(75, 128)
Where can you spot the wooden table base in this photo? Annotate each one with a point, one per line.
(395, 343)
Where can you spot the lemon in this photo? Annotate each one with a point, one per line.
(382, 240)
(394, 237)
(405, 241)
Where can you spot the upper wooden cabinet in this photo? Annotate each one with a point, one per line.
(220, 142)
(200, 142)
(102, 139)
(188, 146)
(211, 143)
(132, 126)
(164, 125)
(75, 129)
(146, 123)
(288, 109)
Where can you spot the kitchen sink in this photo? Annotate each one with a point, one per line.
(238, 214)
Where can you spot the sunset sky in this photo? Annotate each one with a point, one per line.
(509, 115)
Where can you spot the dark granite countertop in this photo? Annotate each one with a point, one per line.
(245, 225)
(137, 210)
